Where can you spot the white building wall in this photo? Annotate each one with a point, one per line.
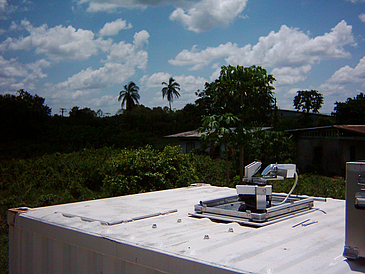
(38, 247)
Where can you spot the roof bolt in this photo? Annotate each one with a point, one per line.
(230, 229)
(154, 226)
(179, 220)
(206, 237)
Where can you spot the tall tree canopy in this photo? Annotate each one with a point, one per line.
(22, 116)
(129, 96)
(170, 90)
(84, 113)
(352, 111)
(246, 92)
(307, 100)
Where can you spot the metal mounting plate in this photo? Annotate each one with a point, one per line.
(226, 210)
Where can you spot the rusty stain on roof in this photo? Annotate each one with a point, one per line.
(355, 128)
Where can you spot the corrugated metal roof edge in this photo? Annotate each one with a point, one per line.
(307, 128)
(196, 134)
(344, 127)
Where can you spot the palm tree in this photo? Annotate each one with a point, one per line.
(170, 90)
(129, 96)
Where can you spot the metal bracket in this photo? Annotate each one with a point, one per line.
(14, 212)
(351, 253)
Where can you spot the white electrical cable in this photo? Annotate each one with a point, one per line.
(292, 189)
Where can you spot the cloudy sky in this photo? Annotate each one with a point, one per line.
(82, 52)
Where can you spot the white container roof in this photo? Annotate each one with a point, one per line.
(159, 221)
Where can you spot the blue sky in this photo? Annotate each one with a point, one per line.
(82, 52)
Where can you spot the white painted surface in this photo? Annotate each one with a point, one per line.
(43, 240)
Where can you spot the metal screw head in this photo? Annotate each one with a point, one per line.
(230, 229)
(154, 226)
(206, 237)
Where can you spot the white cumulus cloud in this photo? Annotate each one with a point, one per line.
(155, 80)
(60, 43)
(114, 27)
(362, 17)
(113, 5)
(105, 100)
(121, 62)
(207, 14)
(56, 43)
(195, 15)
(132, 55)
(200, 59)
(15, 75)
(141, 38)
(344, 83)
(346, 74)
(3, 4)
(287, 49)
(290, 76)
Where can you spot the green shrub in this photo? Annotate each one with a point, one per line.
(62, 178)
(50, 179)
(209, 171)
(313, 185)
(146, 169)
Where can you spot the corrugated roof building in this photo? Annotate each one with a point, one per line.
(327, 149)
(191, 140)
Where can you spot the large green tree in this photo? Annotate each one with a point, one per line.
(171, 90)
(22, 116)
(308, 100)
(129, 96)
(352, 111)
(219, 130)
(247, 93)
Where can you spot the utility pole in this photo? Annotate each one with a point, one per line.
(63, 110)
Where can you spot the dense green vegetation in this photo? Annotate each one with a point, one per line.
(88, 174)
(352, 111)
(45, 134)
